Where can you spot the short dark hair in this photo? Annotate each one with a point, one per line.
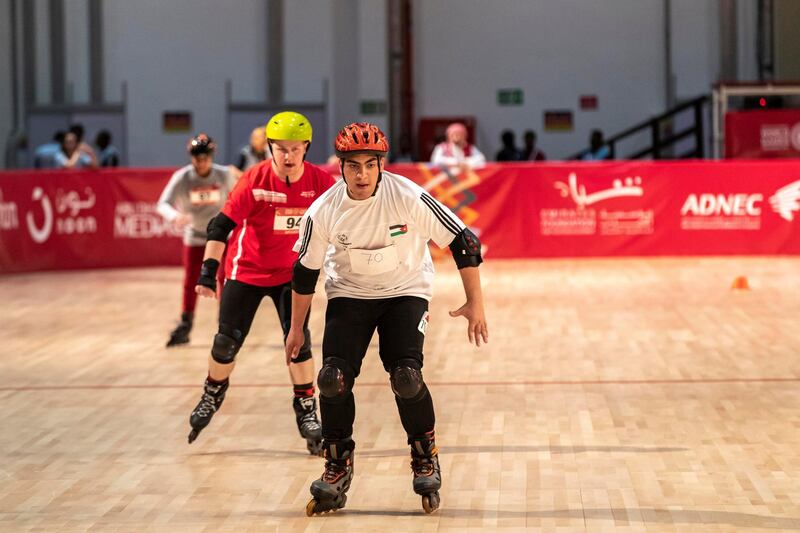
(103, 138)
(77, 129)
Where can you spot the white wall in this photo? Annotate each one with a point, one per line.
(464, 50)
(747, 31)
(6, 104)
(373, 77)
(44, 92)
(177, 55)
(307, 40)
(76, 37)
(695, 46)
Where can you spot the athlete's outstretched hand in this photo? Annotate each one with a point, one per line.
(294, 341)
(477, 328)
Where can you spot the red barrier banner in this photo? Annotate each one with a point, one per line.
(624, 208)
(762, 134)
(59, 220)
(106, 218)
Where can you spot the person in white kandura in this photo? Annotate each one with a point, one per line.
(371, 232)
(456, 153)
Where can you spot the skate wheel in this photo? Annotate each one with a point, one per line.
(193, 435)
(310, 507)
(430, 502)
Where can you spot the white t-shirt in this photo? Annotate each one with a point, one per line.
(378, 247)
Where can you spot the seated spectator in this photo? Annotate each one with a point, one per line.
(69, 156)
(598, 149)
(255, 152)
(109, 154)
(83, 147)
(44, 155)
(456, 151)
(509, 151)
(531, 152)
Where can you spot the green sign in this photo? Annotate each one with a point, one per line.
(373, 107)
(509, 96)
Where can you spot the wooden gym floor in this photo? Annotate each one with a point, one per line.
(629, 394)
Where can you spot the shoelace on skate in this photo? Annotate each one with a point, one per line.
(310, 419)
(333, 471)
(422, 466)
(207, 406)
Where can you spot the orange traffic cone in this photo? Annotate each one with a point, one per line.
(740, 283)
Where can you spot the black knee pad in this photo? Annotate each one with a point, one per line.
(226, 345)
(334, 378)
(406, 379)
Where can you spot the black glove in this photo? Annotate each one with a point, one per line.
(208, 274)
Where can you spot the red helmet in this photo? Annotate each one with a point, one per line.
(361, 138)
(202, 144)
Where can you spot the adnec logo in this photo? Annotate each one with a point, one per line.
(722, 204)
(786, 200)
(40, 234)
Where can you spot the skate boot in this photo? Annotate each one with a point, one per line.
(329, 493)
(427, 476)
(305, 410)
(180, 335)
(213, 396)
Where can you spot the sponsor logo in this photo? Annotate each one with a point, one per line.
(795, 136)
(8, 214)
(40, 234)
(779, 137)
(708, 211)
(786, 201)
(630, 186)
(723, 204)
(67, 219)
(586, 220)
(774, 137)
(308, 194)
(140, 220)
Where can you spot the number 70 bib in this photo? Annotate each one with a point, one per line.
(373, 262)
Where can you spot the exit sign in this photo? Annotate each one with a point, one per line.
(373, 107)
(509, 96)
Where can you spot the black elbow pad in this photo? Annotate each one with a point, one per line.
(466, 249)
(304, 280)
(220, 227)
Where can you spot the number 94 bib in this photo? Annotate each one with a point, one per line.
(287, 220)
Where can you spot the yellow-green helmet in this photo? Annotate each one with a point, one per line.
(289, 126)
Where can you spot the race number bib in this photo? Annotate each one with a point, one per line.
(373, 262)
(205, 196)
(287, 220)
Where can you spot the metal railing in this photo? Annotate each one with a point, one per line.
(661, 139)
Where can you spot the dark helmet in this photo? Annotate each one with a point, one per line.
(201, 144)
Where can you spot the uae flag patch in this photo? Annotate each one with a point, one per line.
(398, 229)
